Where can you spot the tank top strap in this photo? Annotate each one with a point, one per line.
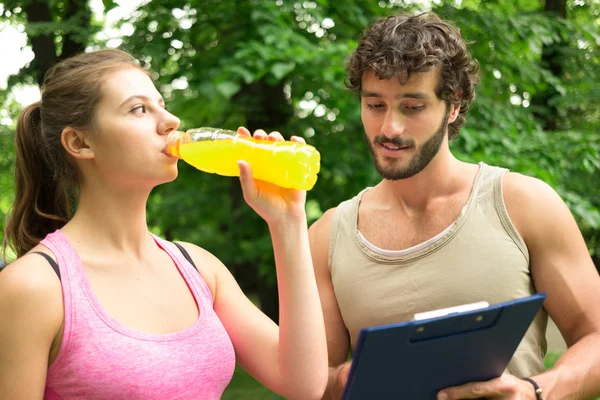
(72, 292)
(346, 213)
(498, 174)
(185, 267)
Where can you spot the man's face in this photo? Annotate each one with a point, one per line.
(405, 125)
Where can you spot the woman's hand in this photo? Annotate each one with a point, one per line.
(271, 202)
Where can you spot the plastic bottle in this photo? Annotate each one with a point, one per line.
(286, 164)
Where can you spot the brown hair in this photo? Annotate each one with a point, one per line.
(46, 180)
(404, 44)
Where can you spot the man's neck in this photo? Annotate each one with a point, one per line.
(442, 178)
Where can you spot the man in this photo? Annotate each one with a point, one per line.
(438, 232)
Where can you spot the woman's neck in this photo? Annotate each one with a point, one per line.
(109, 221)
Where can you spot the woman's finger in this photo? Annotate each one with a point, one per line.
(275, 136)
(260, 134)
(248, 184)
(243, 131)
(298, 139)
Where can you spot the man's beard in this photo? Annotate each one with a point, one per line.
(419, 161)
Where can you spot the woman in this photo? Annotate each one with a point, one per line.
(95, 306)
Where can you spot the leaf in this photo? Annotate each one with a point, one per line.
(279, 70)
(245, 73)
(228, 88)
(108, 5)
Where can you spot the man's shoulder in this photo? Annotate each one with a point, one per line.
(526, 187)
(531, 202)
(323, 223)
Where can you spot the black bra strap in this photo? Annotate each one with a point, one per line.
(52, 263)
(185, 254)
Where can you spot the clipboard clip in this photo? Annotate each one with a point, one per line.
(451, 310)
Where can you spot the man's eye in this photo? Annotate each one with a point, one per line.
(373, 106)
(414, 108)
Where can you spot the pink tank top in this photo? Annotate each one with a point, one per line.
(99, 358)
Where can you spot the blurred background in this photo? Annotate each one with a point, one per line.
(279, 65)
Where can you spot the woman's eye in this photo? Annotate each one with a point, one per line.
(139, 109)
(374, 106)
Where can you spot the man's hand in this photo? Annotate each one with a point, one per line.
(505, 387)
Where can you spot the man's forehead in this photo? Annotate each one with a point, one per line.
(418, 82)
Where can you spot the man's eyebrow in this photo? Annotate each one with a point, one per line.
(364, 93)
(411, 95)
(141, 97)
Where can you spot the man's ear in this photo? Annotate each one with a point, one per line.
(76, 143)
(454, 110)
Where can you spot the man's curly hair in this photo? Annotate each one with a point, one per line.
(405, 44)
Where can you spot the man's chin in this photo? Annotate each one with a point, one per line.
(395, 174)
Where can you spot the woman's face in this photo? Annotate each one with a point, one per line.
(130, 131)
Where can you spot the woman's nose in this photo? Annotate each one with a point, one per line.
(168, 123)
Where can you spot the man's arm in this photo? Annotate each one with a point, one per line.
(561, 267)
(338, 339)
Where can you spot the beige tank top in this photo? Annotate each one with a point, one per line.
(480, 257)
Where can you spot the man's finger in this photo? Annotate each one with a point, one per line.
(476, 390)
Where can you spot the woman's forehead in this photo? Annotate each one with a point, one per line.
(124, 83)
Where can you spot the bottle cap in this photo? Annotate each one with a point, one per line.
(174, 140)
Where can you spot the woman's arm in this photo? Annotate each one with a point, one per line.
(290, 359)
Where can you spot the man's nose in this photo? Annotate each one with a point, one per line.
(393, 125)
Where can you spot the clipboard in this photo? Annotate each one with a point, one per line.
(416, 359)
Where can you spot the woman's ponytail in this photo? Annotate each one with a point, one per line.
(42, 202)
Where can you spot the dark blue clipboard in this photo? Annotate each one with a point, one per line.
(416, 359)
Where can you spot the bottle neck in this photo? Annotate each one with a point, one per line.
(177, 138)
(206, 133)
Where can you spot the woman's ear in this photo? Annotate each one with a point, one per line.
(76, 144)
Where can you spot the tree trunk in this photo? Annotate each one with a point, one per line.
(556, 6)
(43, 46)
(551, 60)
(78, 15)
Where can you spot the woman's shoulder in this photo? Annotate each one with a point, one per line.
(32, 273)
(31, 294)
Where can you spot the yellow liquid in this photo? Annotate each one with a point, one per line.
(286, 164)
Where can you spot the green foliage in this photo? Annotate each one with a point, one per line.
(280, 65)
(7, 159)
(509, 45)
